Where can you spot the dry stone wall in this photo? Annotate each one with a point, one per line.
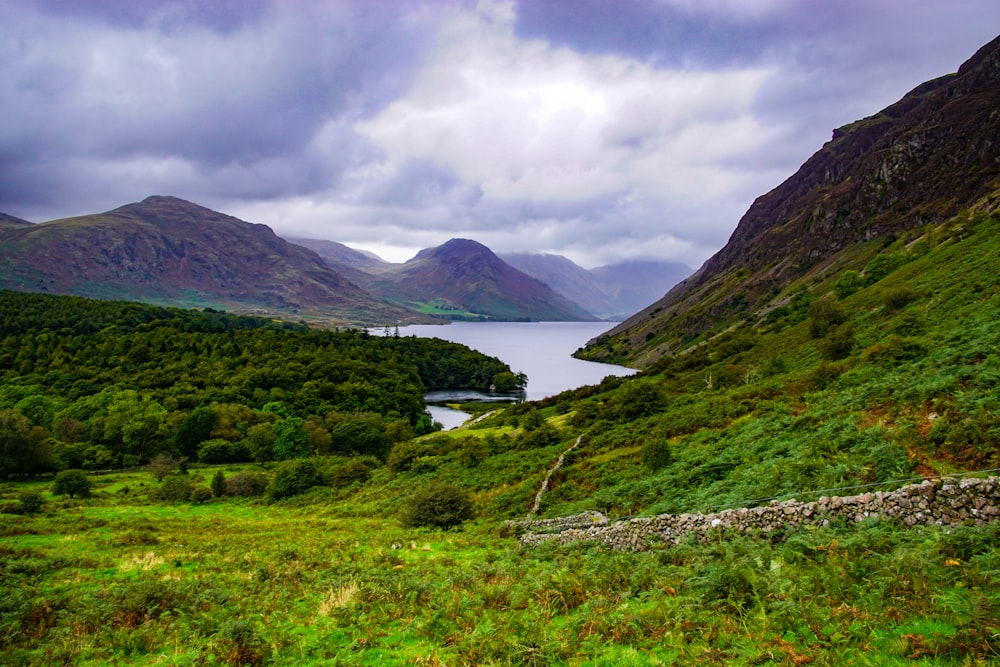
(945, 502)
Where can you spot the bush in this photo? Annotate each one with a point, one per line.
(900, 297)
(29, 502)
(218, 450)
(656, 454)
(839, 344)
(349, 473)
(71, 483)
(218, 484)
(200, 494)
(295, 477)
(246, 484)
(824, 315)
(405, 454)
(438, 506)
(175, 488)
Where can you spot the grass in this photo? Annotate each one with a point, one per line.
(118, 579)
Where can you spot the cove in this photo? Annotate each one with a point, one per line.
(541, 350)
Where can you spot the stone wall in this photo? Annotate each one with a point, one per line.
(944, 502)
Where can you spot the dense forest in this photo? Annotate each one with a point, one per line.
(101, 384)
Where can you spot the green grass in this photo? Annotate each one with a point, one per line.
(116, 579)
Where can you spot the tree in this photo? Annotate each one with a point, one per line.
(260, 437)
(162, 465)
(194, 430)
(295, 477)
(291, 440)
(438, 506)
(71, 483)
(218, 484)
(359, 437)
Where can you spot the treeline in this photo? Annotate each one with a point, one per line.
(99, 384)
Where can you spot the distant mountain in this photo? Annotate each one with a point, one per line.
(168, 250)
(884, 181)
(340, 255)
(610, 292)
(466, 279)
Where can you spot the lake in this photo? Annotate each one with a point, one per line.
(540, 350)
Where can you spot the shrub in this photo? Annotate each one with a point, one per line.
(200, 494)
(218, 484)
(175, 488)
(246, 484)
(839, 344)
(162, 465)
(824, 315)
(656, 453)
(543, 436)
(295, 477)
(29, 502)
(404, 455)
(349, 473)
(438, 506)
(900, 297)
(218, 450)
(71, 483)
(894, 350)
(848, 283)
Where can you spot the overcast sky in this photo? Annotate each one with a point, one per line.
(603, 130)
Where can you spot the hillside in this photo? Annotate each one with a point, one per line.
(567, 278)
(167, 250)
(882, 180)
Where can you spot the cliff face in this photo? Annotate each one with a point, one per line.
(922, 160)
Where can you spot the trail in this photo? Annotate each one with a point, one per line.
(545, 482)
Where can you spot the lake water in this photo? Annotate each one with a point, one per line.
(540, 350)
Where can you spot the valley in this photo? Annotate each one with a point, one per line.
(191, 487)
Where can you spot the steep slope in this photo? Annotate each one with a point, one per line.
(169, 250)
(918, 162)
(466, 278)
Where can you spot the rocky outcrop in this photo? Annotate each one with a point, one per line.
(940, 502)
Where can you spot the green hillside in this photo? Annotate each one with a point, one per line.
(867, 378)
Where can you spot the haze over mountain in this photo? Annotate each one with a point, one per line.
(610, 292)
(165, 249)
(919, 162)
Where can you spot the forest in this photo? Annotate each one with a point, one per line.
(105, 384)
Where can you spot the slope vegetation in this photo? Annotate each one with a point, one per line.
(927, 158)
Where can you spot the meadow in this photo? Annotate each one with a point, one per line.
(328, 578)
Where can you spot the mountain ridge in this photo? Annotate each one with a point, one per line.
(919, 161)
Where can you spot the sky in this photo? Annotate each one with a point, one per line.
(601, 130)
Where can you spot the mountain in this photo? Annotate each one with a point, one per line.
(466, 279)
(568, 279)
(636, 284)
(168, 250)
(875, 189)
(338, 255)
(610, 292)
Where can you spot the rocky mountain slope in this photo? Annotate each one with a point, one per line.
(168, 250)
(919, 162)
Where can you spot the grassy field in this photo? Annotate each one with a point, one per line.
(329, 579)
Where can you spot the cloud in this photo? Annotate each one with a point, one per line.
(599, 130)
